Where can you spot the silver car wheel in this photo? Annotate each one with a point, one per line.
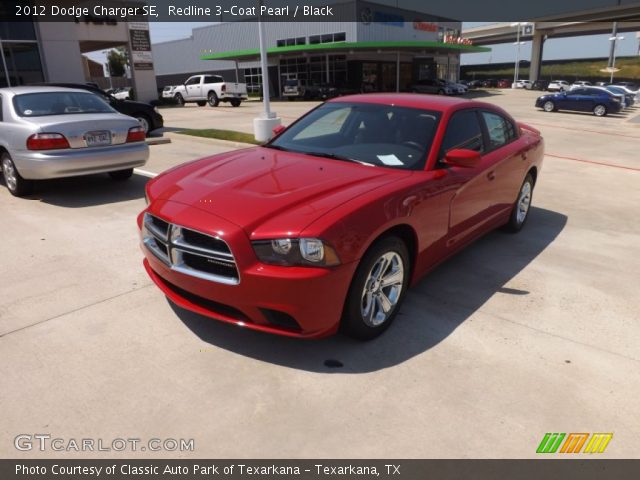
(599, 110)
(10, 174)
(548, 106)
(143, 123)
(382, 289)
(524, 202)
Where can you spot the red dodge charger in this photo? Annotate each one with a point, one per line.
(326, 226)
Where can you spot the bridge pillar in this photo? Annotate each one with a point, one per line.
(536, 56)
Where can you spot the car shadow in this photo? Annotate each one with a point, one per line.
(432, 311)
(88, 191)
(482, 93)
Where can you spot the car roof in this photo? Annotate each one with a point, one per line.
(38, 89)
(415, 100)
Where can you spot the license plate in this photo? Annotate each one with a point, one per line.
(96, 139)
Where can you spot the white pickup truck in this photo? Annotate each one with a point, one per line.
(212, 89)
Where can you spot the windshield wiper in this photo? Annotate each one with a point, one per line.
(276, 147)
(335, 156)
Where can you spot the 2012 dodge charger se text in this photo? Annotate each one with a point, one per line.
(326, 226)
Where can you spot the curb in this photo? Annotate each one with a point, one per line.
(157, 140)
(209, 141)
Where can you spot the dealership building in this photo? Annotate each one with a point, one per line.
(33, 52)
(385, 49)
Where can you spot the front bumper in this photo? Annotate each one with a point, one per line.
(301, 302)
(39, 165)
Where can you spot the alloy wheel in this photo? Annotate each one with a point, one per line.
(382, 289)
(10, 174)
(524, 202)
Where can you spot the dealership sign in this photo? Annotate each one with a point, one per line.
(425, 26)
(141, 56)
(457, 40)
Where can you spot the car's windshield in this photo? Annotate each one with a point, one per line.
(59, 103)
(383, 135)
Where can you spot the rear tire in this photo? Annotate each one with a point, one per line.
(120, 175)
(371, 306)
(600, 110)
(17, 186)
(520, 211)
(144, 122)
(235, 102)
(549, 106)
(213, 99)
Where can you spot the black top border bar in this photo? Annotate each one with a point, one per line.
(388, 12)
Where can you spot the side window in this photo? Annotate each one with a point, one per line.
(1, 117)
(501, 131)
(463, 131)
(193, 81)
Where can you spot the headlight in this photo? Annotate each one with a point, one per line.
(296, 252)
(155, 109)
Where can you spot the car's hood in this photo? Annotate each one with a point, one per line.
(269, 192)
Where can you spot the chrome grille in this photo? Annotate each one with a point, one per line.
(190, 252)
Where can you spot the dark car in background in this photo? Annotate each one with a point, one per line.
(540, 85)
(490, 83)
(146, 114)
(598, 101)
(432, 85)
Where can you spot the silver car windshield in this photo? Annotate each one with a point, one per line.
(59, 103)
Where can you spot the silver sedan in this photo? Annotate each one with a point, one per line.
(52, 132)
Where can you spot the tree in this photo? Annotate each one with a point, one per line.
(117, 59)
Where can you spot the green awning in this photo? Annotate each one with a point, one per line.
(389, 47)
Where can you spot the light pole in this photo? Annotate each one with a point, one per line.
(613, 39)
(264, 124)
(516, 69)
(106, 52)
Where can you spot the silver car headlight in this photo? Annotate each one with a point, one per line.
(296, 252)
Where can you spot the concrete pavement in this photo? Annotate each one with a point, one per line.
(517, 336)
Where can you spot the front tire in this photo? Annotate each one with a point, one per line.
(17, 186)
(179, 100)
(599, 110)
(213, 99)
(549, 106)
(520, 211)
(120, 175)
(377, 289)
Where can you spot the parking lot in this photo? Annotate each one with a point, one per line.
(517, 336)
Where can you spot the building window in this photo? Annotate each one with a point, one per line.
(314, 39)
(23, 63)
(301, 41)
(253, 79)
(340, 37)
(281, 43)
(288, 42)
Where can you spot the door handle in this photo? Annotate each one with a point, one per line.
(491, 175)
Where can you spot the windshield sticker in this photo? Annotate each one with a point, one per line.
(390, 159)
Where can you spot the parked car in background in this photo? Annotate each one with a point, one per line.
(635, 93)
(580, 83)
(601, 84)
(295, 89)
(630, 85)
(524, 84)
(558, 86)
(474, 84)
(432, 85)
(629, 98)
(324, 229)
(146, 114)
(123, 93)
(584, 99)
(167, 92)
(489, 83)
(540, 85)
(211, 89)
(456, 88)
(504, 83)
(51, 132)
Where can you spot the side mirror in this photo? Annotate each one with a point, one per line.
(461, 157)
(278, 129)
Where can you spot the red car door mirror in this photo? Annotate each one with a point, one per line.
(278, 129)
(461, 157)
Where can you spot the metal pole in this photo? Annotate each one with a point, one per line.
(515, 67)
(237, 80)
(397, 71)
(264, 68)
(612, 48)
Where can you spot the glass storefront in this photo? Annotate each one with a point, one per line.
(20, 61)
